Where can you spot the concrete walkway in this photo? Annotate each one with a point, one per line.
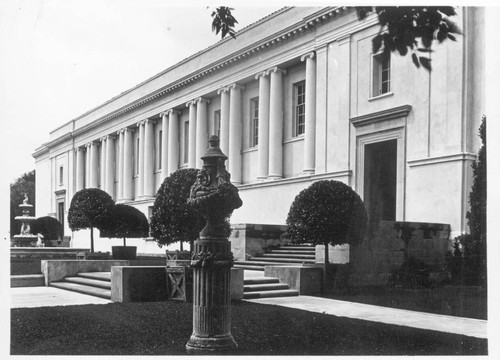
(449, 324)
(48, 296)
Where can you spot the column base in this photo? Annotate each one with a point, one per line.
(222, 343)
(274, 177)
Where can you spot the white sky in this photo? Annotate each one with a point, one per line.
(61, 58)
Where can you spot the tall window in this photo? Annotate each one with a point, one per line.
(217, 123)
(160, 150)
(254, 122)
(60, 215)
(136, 162)
(381, 74)
(61, 175)
(186, 142)
(299, 90)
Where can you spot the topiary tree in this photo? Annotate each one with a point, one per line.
(327, 212)
(173, 219)
(127, 222)
(50, 228)
(89, 209)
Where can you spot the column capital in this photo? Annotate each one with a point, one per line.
(140, 123)
(222, 89)
(261, 74)
(201, 99)
(307, 56)
(191, 102)
(110, 136)
(276, 70)
(172, 112)
(235, 87)
(103, 138)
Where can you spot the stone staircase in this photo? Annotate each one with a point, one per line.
(91, 283)
(265, 287)
(285, 254)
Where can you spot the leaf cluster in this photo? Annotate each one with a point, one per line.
(328, 211)
(173, 219)
(476, 216)
(223, 21)
(90, 208)
(49, 227)
(412, 29)
(127, 222)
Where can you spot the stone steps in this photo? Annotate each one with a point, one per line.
(287, 254)
(263, 287)
(94, 283)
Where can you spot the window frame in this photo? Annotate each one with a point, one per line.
(217, 116)
(159, 150)
(299, 109)
(254, 122)
(61, 175)
(186, 143)
(378, 61)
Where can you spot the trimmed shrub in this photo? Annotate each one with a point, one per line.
(50, 228)
(173, 219)
(89, 209)
(127, 222)
(327, 212)
(413, 274)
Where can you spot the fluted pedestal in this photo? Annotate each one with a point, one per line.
(212, 263)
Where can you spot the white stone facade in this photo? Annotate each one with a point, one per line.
(298, 97)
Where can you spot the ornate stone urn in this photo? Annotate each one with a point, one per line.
(216, 198)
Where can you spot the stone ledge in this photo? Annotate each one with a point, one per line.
(27, 280)
(306, 279)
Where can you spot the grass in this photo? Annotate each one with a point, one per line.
(470, 302)
(163, 328)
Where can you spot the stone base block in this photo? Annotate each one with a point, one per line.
(236, 284)
(56, 270)
(306, 279)
(27, 280)
(138, 283)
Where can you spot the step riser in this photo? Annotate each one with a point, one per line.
(105, 294)
(89, 282)
(288, 256)
(270, 287)
(286, 261)
(268, 294)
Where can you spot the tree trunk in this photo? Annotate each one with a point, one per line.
(124, 241)
(326, 262)
(91, 239)
(182, 247)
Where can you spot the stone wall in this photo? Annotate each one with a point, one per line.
(253, 239)
(393, 242)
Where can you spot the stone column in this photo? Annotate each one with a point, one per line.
(87, 165)
(140, 184)
(263, 147)
(164, 145)
(120, 164)
(102, 162)
(192, 134)
(110, 165)
(80, 169)
(201, 129)
(276, 124)
(224, 119)
(128, 164)
(235, 133)
(310, 114)
(148, 159)
(94, 165)
(173, 141)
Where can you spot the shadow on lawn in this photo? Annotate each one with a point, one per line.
(163, 328)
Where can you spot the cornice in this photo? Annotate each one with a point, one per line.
(42, 150)
(388, 114)
(279, 38)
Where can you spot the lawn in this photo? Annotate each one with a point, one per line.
(163, 328)
(470, 302)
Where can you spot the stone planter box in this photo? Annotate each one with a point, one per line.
(124, 252)
(86, 255)
(138, 283)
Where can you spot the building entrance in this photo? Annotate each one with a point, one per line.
(380, 181)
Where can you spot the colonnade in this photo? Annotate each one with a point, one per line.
(117, 169)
